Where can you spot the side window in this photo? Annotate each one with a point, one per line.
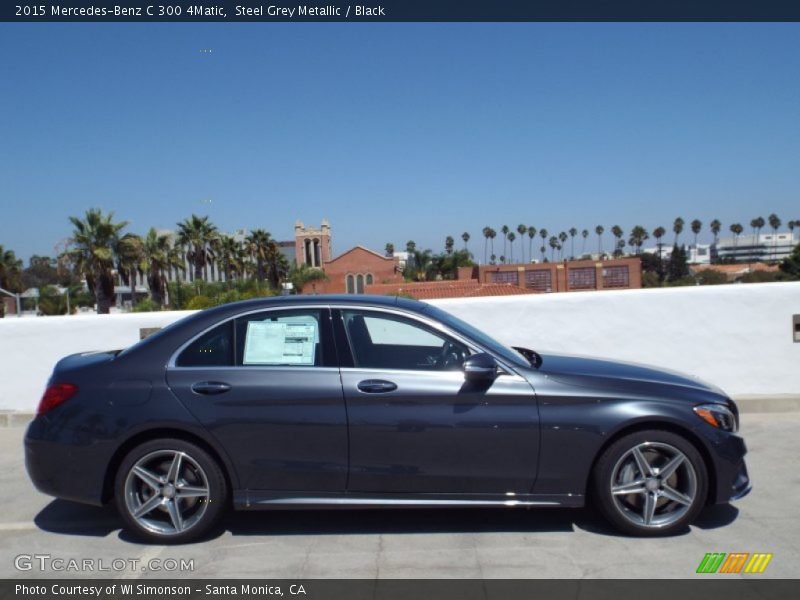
(212, 349)
(383, 341)
(279, 338)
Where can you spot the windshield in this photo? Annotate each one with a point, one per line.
(477, 335)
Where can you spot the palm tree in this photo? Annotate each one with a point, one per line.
(492, 235)
(677, 227)
(617, 232)
(411, 246)
(572, 233)
(389, 249)
(158, 257)
(277, 265)
(10, 271)
(197, 233)
(553, 246)
(599, 231)
(774, 223)
(543, 234)
(638, 236)
(229, 254)
(91, 253)
(562, 237)
(522, 230)
(715, 227)
(487, 233)
(129, 253)
(736, 230)
(584, 235)
(511, 237)
(756, 224)
(696, 226)
(449, 242)
(504, 230)
(531, 234)
(465, 236)
(258, 243)
(659, 233)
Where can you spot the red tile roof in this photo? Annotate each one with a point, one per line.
(432, 290)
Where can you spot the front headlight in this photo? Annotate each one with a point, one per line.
(718, 416)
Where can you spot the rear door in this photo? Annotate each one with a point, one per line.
(267, 386)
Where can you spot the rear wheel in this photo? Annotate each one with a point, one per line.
(650, 483)
(170, 491)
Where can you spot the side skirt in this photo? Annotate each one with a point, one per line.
(270, 500)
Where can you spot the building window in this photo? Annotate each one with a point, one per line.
(539, 280)
(616, 277)
(504, 277)
(351, 286)
(584, 278)
(369, 278)
(359, 284)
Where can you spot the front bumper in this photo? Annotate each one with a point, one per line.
(733, 481)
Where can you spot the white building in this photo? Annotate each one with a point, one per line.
(699, 254)
(763, 247)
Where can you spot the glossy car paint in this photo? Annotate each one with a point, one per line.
(307, 436)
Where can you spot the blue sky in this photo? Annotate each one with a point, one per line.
(396, 131)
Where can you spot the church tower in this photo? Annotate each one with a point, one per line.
(312, 246)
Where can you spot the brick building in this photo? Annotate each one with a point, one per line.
(353, 271)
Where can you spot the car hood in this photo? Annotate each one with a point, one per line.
(584, 371)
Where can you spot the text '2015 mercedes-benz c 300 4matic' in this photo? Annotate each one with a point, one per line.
(377, 402)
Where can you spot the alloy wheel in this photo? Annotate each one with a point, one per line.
(653, 485)
(167, 492)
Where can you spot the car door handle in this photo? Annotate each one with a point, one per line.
(376, 386)
(210, 388)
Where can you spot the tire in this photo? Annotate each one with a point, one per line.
(658, 497)
(170, 491)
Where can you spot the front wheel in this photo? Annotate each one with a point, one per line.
(650, 483)
(170, 491)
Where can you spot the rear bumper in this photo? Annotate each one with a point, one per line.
(63, 467)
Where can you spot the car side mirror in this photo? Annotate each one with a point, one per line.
(480, 367)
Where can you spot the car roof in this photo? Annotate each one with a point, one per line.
(351, 299)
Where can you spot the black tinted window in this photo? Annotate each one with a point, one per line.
(212, 349)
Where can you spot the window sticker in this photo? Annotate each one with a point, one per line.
(275, 343)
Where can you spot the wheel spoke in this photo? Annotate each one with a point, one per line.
(191, 491)
(649, 508)
(150, 478)
(175, 468)
(175, 515)
(671, 466)
(634, 487)
(145, 508)
(673, 494)
(641, 462)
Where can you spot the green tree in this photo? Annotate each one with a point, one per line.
(562, 238)
(659, 233)
(522, 230)
(715, 227)
(449, 244)
(158, 258)
(584, 235)
(774, 223)
(736, 230)
(487, 232)
(511, 237)
(411, 246)
(697, 226)
(677, 228)
(572, 233)
(10, 271)
(258, 247)
(389, 249)
(638, 236)
(91, 253)
(617, 232)
(302, 275)
(543, 235)
(197, 234)
(465, 237)
(790, 266)
(504, 230)
(678, 266)
(553, 245)
(531, 234)
(599, 231)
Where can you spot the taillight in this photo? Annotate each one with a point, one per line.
(54, 395)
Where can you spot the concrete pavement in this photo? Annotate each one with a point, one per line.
(405, 543)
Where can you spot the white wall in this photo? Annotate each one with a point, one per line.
(736, 336)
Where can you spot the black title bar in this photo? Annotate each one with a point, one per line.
(403, 10)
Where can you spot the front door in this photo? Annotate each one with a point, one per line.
(267, 386)
(416, 425)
